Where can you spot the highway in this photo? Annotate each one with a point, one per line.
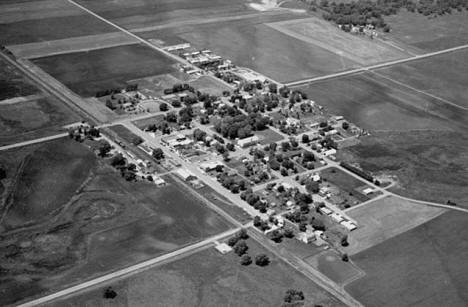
(373, 67)
(130, 270)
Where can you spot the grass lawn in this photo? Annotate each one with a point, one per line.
(268, 136)
(428, 165)
(88, 72)
(386, 218)
(444, 76)
(425, 266)
(208, 279)
(210, 85)
(429, 34)
(92, 221)
(33, 118)
(345, 182)
(330, 264)
(143, 123)
(13, 83)
(124, 133)
(373, 103)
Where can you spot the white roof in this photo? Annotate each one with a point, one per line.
(337, 217)
(368, 191)
(349, 225)
(325, 210)
(223, 248)
(184, 173)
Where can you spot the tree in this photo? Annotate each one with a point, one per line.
(240, 248)
(104, 149)
(3, 173)
(276, 236)
(163, 107)
(318, 224)
(345, 125)
(293, 295)
(246, 260)
(118, 160)
(109, 293)
(262, 260)
(158, 154)
(171, 117)
(289, 233)
(344, 240)
(345, 257)
(232, 241)
(305, 139)
(312, 186)
(285, 146)
(242, 234)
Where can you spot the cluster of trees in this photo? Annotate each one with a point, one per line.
(84, 132)
(294, 298)
(357, 171)
(158, 154)
(128, 171)
(241, 126)
(179, 87)
(260, 103)
(260, 224)
(363, 12)
(128, 88)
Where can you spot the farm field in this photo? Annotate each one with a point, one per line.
(386, 218)
(327, 36)
(72, 217)
(216, 280)
(147, 13)
(85, 73)
(33, 117)
(428, 165)
(429, 34)
(425, 266)
(443, 76)
(376, 104)
(247, 44)
(330, 264)
(36, 21)
(13, 83)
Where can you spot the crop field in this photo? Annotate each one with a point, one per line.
(443, 76)
(73, 44)
(428, 165)
(330, 264)
(425, 266)
(13, 83)
(386, 218)
(147, 13)
(36, 21)
(68, 216)
(85, 73)
(33, 118)
(377, 104)
(358, 49)
(216, 280)
(429, 34)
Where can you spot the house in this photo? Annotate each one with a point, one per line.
(210, 165)
(185, 174)
(159, 182)
(348, 225)
(307, 237)
(249, 141)
(325, 210)
(223, 248)
(337, 217)
(315, 177)
(368, 191)
(329, 152)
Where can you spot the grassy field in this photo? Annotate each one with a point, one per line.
(268, 136)
(210, 85)
(355, 48)
(376, 104)
(71, 217)
(428, 165)
(425, 266)
(429, 34)
(215, 280)
(147, 13)
(330, 264)
(384, 219)
(33, 118)
(36, 21)
(13, 83)
(287, 58)
(443, 76)
(349, 187)
(124, 133)
(88, 72)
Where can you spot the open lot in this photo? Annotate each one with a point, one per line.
(428, 165)
(13, 83)
(360, 49)
(216, 280)
(88, 72)
(425, 266)
(429, 34)
(210, 85)
(443, 76)
(376, 104)
(35, 21)
(330, 264)
(69, 217)
(384, 219)
(33, 118)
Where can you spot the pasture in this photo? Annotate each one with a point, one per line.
(85, 73)
(429, 34)
(428, 165)
(13, 83)
(359, 49)
(376, 104)
(386, 218)
(80, 219)
(425, 266)
(444, 76)
(33, 118)
(215, 280)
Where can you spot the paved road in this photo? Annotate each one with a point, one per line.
(129, 270)
(373, 67)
